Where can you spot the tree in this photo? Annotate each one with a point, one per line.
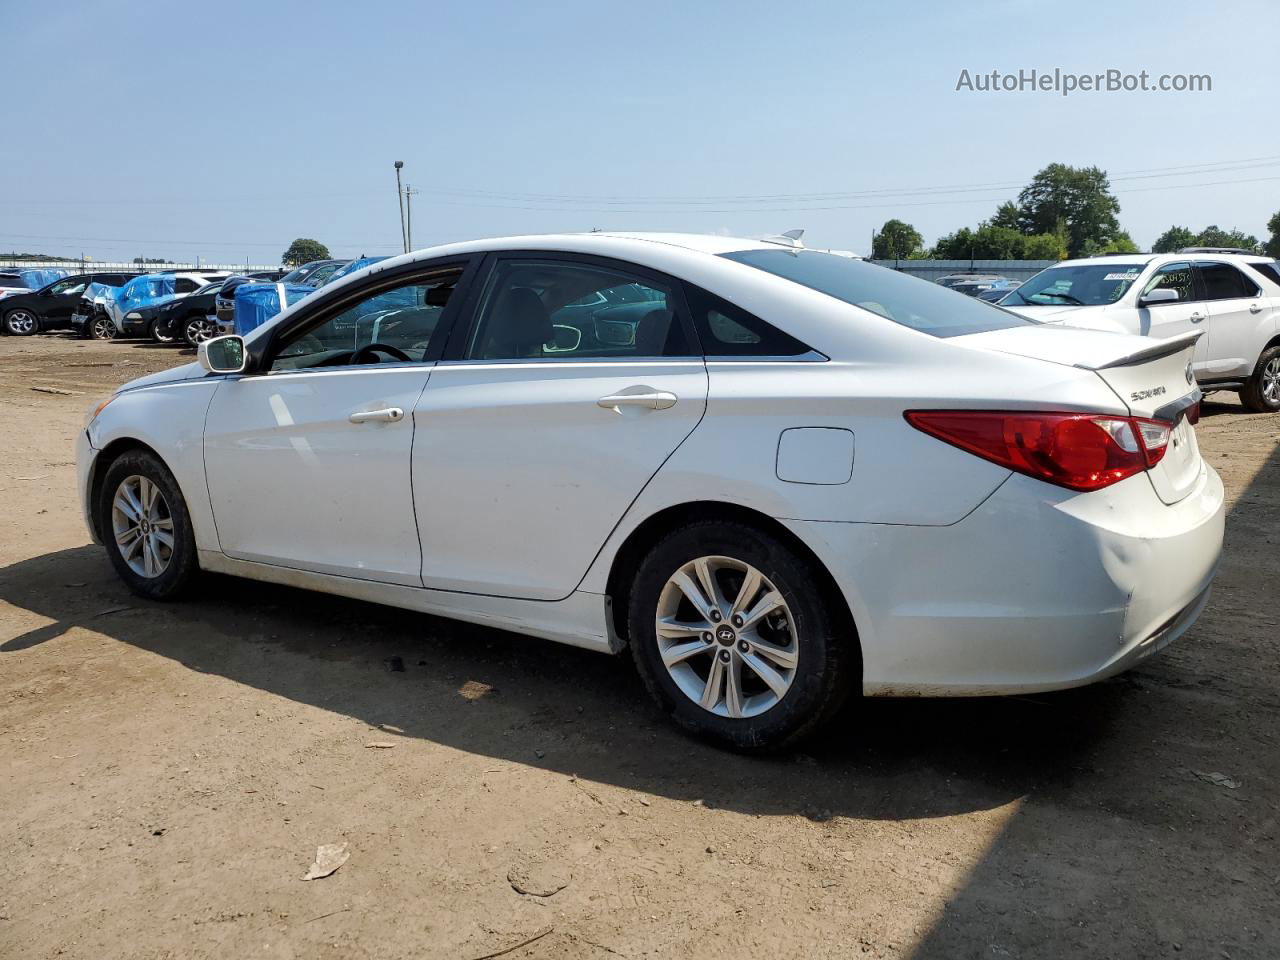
(1006, 215)
(1273, 245)
(896, 241)
(1120, 242)
(1044, 246)
(955, 246)
(304, 250)
(1173, 240)
(1215, 236)
(1078, 200)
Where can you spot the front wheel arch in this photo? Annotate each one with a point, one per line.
(108, 455)
(649, 533)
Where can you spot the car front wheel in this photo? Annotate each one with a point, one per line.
(1261, 393)
(100, 327)
(734, 638)
(144, 523)
(198, 330)
(21, 322)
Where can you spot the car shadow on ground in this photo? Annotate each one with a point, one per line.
(569, 710)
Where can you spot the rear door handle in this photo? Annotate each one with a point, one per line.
(652, 400)
(389, 415)
(1254, 308)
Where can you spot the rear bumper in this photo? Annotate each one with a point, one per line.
(1037, 589)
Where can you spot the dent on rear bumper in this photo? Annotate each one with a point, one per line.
(1037, 589)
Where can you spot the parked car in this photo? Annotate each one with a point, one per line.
(971, 288)
(1027, 509)
(50, 307)
(951, 279)
(136, 311)
(997, 293)
(11, 283)
(1231, 300)
(188, 320)
(312, 275)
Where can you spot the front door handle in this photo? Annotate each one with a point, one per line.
(389, 415)
(1196, 317)
(651, 400)
(1254, 308)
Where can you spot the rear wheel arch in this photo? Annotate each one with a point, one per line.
(649, 533)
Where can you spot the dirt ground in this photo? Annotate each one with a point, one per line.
(169, 770)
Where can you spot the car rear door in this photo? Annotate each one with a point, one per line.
(1234, 302)
(540, 426)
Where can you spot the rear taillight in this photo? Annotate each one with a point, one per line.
(1074, 450)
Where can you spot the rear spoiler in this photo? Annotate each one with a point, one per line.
(1159, 348)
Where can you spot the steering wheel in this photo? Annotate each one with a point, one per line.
(369, 350)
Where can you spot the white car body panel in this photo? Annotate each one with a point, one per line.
(505, 494)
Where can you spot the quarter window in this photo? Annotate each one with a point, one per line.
(391, 326)
(1173, 276)
(185, 285)
(1224, 282)
(544, 309)
(729, 331)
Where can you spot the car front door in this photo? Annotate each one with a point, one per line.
(58, 301)
(1187, 313)
(1234, 302)
(541, 426)
(308, 461)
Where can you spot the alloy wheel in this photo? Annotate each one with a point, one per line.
(1271, 381)
(143, 526)
(726, 637)
(198, 331)
(21, 322)
(102, 328)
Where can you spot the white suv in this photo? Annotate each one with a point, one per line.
(1231, 296)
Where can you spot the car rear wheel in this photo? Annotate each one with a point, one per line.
(144, 523)
(21, 322)
(1261, 393)
(734, 638)
(100, 327)
(199, 329)
(161, 332)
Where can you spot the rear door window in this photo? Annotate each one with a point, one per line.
(1222, 281)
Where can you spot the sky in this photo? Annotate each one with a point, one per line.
(224, 131)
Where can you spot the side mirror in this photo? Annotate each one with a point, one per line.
(222, 355)
(1160, 295)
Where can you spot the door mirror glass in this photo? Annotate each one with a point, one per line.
(222, 355)
(1159, 295)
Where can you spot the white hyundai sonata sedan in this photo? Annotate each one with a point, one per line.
(776, 475)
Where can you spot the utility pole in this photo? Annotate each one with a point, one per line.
(404, 231)
(409, 194)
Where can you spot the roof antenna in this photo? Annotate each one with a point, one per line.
(788, 238)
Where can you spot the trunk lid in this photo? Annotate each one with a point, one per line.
(1153, 377)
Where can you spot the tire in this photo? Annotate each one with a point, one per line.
(196, 329)
(21, 322)
(153, 570)
(100, 327)
(161, 332)
(1261, 392)
(769, 716)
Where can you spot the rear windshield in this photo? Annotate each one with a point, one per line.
(1082, 286)
(904, 299)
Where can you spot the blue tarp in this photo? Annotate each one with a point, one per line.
(146, 290)
(256, 303)
(352, 267)
(35, 279)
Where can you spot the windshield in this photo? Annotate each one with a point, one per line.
(1087, 285)
(906, 300)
